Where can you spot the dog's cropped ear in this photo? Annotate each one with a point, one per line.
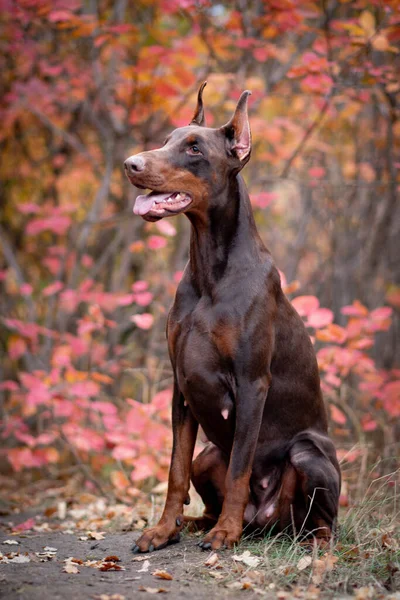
(237, 130)
(198, 117)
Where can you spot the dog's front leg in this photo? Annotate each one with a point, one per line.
(184, 427)
(250, 402)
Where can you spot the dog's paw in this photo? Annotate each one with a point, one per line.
(158, 537)
(221, 537)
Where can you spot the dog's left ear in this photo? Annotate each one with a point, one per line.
(198, 117)
(237, 130)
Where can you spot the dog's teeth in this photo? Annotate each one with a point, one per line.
(178, 197)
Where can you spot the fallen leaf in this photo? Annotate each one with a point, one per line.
(216, 575)
(247, 585)
(45, 556)
(212, 560)
(163, 575)
(26, 525)
(151, 590)
(304, 562)
(11, 542)
(112, 558)
(145, 567)
(286, 570)
(49, 549)
(139, 558)
(96, 535)
(70, 568)
(111, 566)
(365, 593)
(247, 559)
(83, 538)
(20, 558)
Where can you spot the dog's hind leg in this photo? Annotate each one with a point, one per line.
(208, 477)
(313, 456)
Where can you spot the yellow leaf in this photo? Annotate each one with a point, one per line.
(367, 22)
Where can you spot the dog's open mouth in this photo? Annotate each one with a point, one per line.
(159, 204)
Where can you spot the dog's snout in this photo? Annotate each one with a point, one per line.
(133, 164)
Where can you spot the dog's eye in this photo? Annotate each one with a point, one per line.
(194, 149)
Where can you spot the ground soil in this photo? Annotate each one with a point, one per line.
(36, 580)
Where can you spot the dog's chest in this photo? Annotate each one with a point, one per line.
(203, 342)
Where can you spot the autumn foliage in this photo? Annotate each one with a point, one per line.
(86, 286)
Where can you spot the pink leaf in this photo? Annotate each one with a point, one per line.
(26, 289)
(316, 172)
(320, 318)
(53, 288)
(143, 321)
(125, 300)
(26, 525)
(28, 208)
(106, 408)
(16, 347)
(355, 310)
(382, 313)
(140, 286)
(84, 389)
(305, 305)
(162, 399)
(145, 466)
(337, 415)
(59, 15)
(9, 385)
(178, 276)
(263, 199)
(166, 228)
(58, 224)
(143, 298)
(156, 242)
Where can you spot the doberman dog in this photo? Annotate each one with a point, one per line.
(244, 366)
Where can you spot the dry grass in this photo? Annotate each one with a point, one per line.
(363, 559)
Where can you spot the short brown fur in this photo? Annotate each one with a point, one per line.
(244, 366)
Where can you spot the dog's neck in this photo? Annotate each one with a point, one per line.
(224, 239)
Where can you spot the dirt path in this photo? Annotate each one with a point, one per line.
(36, 580)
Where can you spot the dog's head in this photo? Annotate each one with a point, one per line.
(194, 165)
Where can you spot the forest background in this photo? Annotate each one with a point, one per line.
(86, 286)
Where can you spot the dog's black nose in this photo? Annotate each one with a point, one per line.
(133, 164)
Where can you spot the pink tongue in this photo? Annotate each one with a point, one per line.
(143, 204)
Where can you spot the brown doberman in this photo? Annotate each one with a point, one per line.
(244, 366)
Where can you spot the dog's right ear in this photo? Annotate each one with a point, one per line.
(198, 117)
